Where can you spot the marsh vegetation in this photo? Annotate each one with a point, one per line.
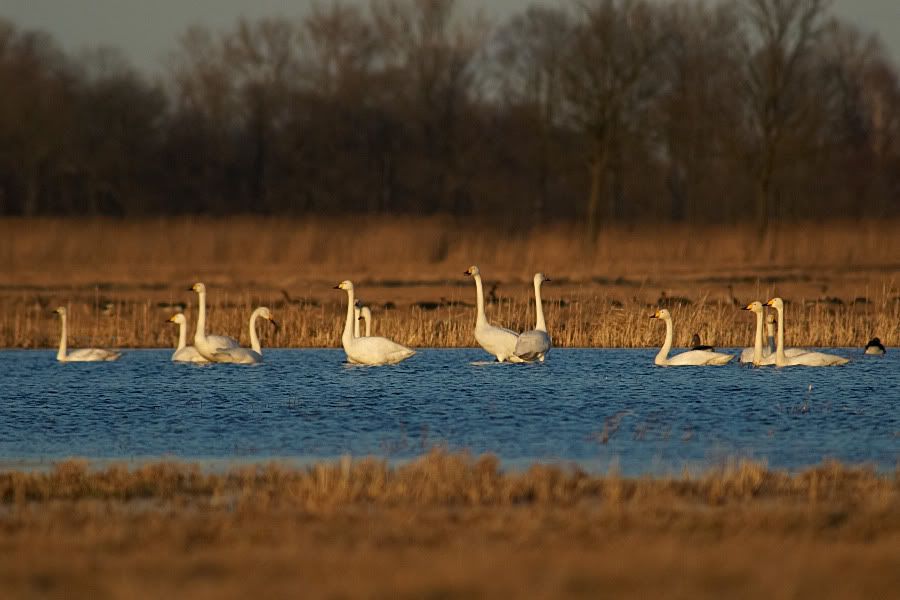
(447, 525)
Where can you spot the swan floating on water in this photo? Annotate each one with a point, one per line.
(208, 345)
(535, 344)
(183, 352)
(696, 344)
(498, 341)
(253, 354)
(688, 358)
(82, 354)
(759, 354)
(368, 350)
(875, 347)
(807, 359)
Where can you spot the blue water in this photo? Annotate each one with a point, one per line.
(598, 408)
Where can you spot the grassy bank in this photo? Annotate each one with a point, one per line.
(123, 279)
(447, 526)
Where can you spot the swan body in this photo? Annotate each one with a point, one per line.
(875, 347)
(183, 352)
(208, 345)
(807, 359)
(82, 354)
(368, 350)
(498, 341)
(253, 354)
(535, 344)
(684, 359)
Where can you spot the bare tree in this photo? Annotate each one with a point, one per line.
(531, 52)
(778, 88)
(427, 53)
(608, 84)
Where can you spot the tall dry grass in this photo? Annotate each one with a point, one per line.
(446, 526)
(121, 279)
(443, 479)
(576, 320)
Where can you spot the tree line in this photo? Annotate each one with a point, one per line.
(600, 111)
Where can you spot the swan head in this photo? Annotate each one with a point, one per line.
(770, 319)
(178, 318)
(755, 307)
(776, 303)
(365, 313)
(265, 313)
(473, 271)
(61, 311)
(540, 278)
(199, 288)
(663, 314)
(346, 285)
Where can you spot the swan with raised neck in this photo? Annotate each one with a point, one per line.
(373, 350)
(535, 344)
(499, 341)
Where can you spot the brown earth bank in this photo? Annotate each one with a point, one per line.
(447, 526)
(122, 279)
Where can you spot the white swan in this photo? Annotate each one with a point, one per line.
(808, 359)
(759, 354)
(368, 350)
(496, 340)
(535, 344)
(183, 352)
(207, 345)
(253, 354)
(82, 354)
(684, 359)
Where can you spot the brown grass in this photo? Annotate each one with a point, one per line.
(447, 526)
(842, 280)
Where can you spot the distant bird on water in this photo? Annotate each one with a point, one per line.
(696, 344)
(875, 347)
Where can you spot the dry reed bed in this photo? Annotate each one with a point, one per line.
(575, 321)
(447, 526)
(115, 274)
(285, 252)
(447, 479)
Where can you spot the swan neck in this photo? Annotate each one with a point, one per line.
(539, 308)
(663, 356)
(182, 336)
(757, 343)
(779, 342)
(368, 325)
(347, 336)
(61, 355)
(356, 314)
(254, 339)
(200, 334)
(480, 318)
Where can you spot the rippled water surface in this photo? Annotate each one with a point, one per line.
(594, 407)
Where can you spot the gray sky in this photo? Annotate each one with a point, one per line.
(145, 30)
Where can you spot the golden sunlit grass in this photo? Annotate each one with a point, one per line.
(449, 526)
(122, 280)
